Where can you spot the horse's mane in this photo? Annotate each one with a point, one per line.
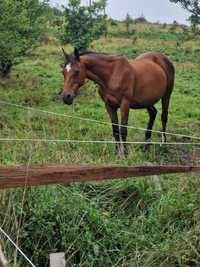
(100, 55)
(83, 53)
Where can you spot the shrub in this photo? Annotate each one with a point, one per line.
(113, 22)
(21, 24)
(140, 19)
(164, 25)
(194, 21)
(128, 22)
(84, 24)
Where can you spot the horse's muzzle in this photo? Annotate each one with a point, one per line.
(68, 99)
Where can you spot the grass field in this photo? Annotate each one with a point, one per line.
(143, 222)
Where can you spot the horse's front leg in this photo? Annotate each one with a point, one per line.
(112, 111)
(124, 123)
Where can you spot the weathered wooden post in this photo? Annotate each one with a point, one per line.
(3, 261)
(2, 198)
(57, 260)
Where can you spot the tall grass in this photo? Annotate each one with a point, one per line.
(131, 222)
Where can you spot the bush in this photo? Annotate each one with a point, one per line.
(113, 22)
(164, 25)
(128, 22)
(140, 19)
(21, 24)
(195, 22)
(84, 24)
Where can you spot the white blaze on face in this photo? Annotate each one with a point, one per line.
(68, 67)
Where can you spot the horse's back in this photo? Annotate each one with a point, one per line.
(156, 57)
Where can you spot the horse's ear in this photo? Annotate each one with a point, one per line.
(65, 54)
(77, 53)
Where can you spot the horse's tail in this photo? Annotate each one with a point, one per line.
(169, 69)
(170, 72)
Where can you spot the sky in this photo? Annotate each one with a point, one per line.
(154, 10)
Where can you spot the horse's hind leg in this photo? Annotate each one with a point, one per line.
(152, 116)
(164, 116)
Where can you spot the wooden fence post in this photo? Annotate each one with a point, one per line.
(57, 260)
(3, 261)
(2, 198)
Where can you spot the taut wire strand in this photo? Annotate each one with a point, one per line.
(96, 121)
(37, 140)
(13, 243)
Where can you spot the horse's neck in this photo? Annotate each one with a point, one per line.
(98, 69)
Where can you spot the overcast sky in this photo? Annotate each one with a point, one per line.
(154, 10)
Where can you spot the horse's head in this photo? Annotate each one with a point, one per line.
(74, 76)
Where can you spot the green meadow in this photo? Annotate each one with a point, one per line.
(143, 222)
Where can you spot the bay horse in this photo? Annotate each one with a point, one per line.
(123, 83)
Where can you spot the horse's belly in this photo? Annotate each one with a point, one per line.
(138, 104)
(147, 97)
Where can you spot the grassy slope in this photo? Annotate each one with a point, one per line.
(115, 223)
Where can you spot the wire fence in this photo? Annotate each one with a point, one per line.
(37, 140)
(17, 247)
(97, 121)
(40, 140)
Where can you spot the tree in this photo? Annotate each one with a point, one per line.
(193, 6)
(140, 19)
(21, 25)
(128, 22)
(84, 24)
(174, 26)
(195, 21)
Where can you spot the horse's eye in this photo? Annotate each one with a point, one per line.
(76, 71)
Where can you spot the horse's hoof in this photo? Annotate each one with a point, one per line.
(163, 138)
(118, 154)
(147, 145)
(126, 154)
